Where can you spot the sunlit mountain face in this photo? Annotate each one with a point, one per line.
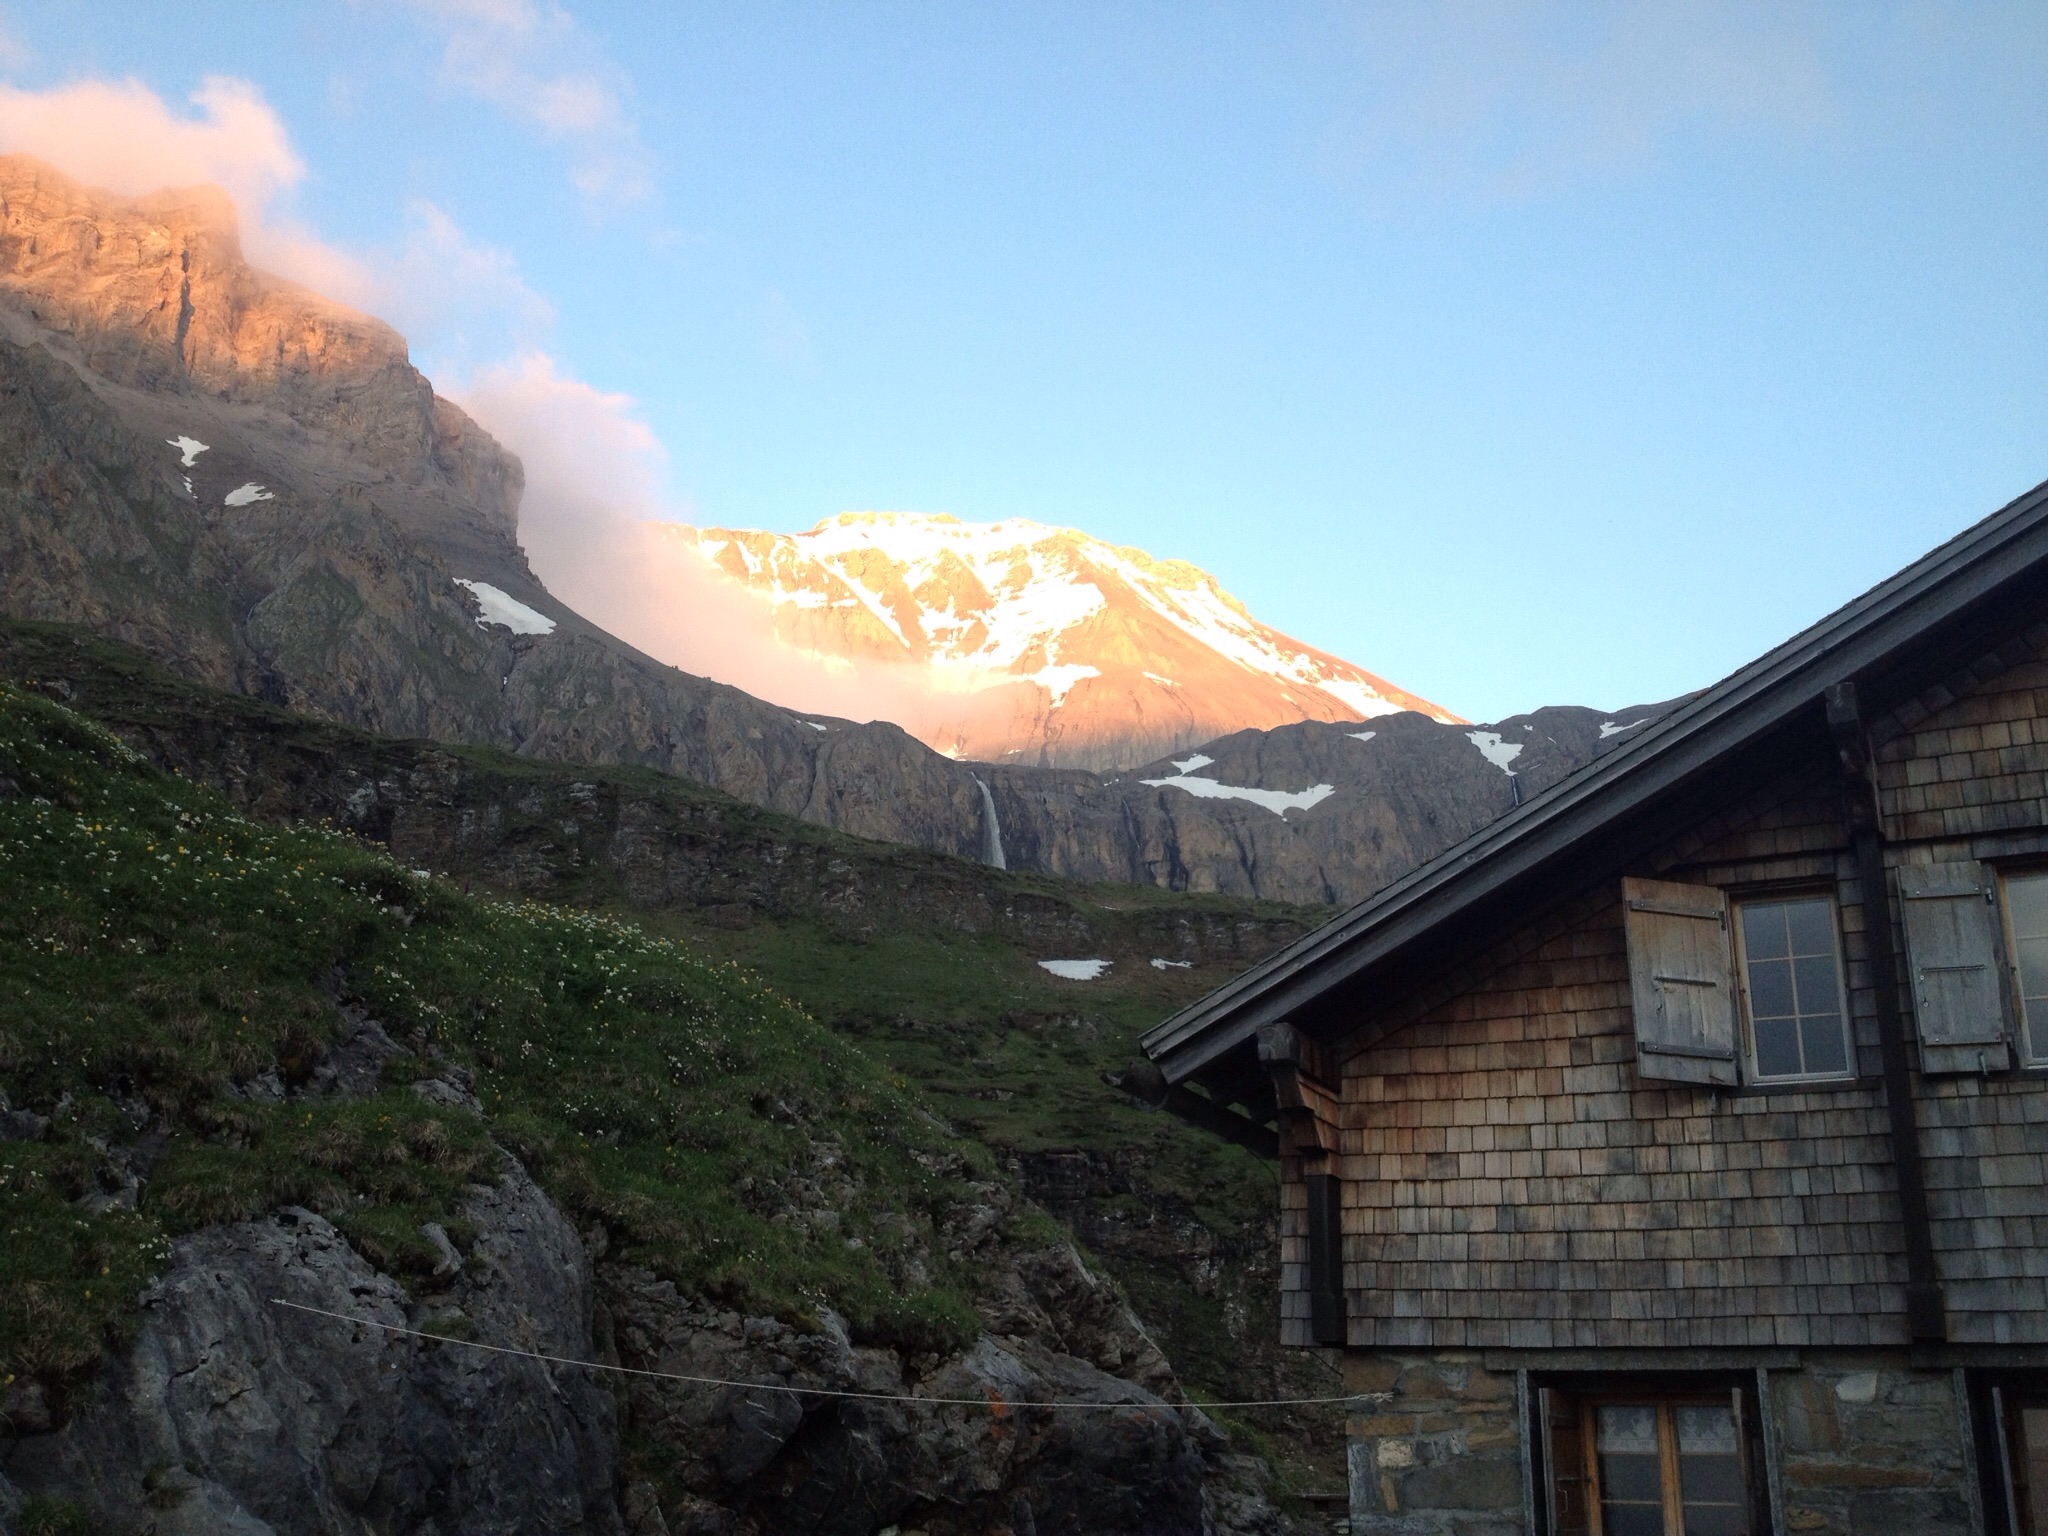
(1036, 644)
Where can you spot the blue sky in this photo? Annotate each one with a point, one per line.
(1523, 353)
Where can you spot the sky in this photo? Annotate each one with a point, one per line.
(1522, 353)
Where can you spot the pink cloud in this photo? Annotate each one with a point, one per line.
(121, 135)
(590, 521)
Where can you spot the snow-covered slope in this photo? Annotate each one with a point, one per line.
(1039, 644)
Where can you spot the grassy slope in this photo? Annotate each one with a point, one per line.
(1014, 1058)
(157, 949)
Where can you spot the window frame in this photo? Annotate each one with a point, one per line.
(2024, 1058)
(1752, 1076)
(1583, 1395)
(1998, 1400)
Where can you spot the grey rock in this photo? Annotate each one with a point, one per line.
(23, 1125)
(354, 1067)
(25, 1407)
(448, 1261)
(778, 1455)
(291, 1421)
(453, 1089)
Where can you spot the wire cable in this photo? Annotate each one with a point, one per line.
(994, 1400)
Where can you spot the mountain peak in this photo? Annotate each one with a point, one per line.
(1039, 643)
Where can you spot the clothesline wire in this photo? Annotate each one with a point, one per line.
(993, 1400)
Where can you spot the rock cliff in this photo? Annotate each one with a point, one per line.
(256, 485)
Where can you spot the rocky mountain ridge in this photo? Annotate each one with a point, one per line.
(256, 486)
(1038, 646)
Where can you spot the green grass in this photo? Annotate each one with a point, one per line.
(159, 952)
(923, 965)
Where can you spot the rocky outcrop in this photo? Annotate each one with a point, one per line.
(279, 1383)
(787, 1455)
(1312, 812)
(254, 484)
(551, 832)
(153, 295)
(233, 1413)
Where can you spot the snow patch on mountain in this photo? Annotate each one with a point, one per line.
(1058, 679)
(1495, 750)
(1075, 970)
(243, 495)
(497, 606)
(189, 448)
(1278, 801)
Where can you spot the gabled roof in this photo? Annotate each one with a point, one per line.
(1673, 752)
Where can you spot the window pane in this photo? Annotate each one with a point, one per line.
(2034, 968)
(1631, 1519)
(1770, 989)
(1814, 977)
(2026, 899)
(1812, 926)
(2026, 908)
(1763, 930)
(1631, 1475)
(1710, 1471)
(1705, 1428)
(1716, 1519)
(1826, 1050)
(2032, 954)
(1777, 1047)
(1793, 970)
(2028, 1460)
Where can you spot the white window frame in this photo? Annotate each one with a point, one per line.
(2024, 1045)
(1760, 898)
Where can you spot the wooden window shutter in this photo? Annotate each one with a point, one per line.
(1682, 976)
(1953, 952)
(1325, 1259)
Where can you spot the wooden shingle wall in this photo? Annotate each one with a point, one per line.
(1963, 773)
(1509, 1180)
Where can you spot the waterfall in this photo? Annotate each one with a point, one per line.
(992, 831)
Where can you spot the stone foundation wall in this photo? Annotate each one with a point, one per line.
(1867, 1447)
(1435, 1447)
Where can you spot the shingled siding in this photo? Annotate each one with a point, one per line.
(1963, 773)
(1510, 1184)
(1509, 1180)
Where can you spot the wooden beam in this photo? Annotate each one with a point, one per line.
(1926, 1312)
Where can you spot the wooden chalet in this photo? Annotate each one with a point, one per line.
(1671, 1156)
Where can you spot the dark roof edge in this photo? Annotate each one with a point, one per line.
(1750, 701)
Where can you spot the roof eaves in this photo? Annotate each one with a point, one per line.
(1749, 702)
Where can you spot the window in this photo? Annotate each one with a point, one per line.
(2009, 1413)
(2026, 914)
(1791, 971)
(1648, 1464)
